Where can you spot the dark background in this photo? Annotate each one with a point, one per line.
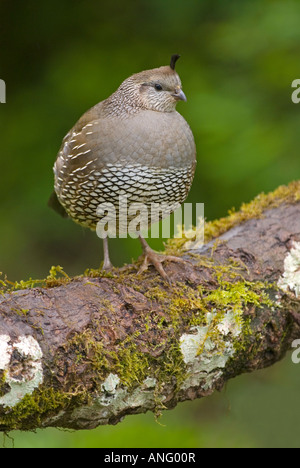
(238, 60)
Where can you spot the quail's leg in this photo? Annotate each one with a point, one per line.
(107, 265)
(156, 259)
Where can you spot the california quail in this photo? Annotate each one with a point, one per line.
(133, 143)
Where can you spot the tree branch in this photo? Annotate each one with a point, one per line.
(80, 352)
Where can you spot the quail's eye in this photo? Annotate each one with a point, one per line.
(158, 87)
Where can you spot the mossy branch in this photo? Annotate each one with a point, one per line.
(79, 352)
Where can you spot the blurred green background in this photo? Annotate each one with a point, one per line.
(238, 61)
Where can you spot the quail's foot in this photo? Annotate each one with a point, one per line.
(153, 258)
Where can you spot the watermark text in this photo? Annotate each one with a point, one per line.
(2, 92)
(126, 219)
(296, 94)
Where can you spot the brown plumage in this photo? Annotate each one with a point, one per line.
(133, 143)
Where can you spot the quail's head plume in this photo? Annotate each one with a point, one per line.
(134, 144)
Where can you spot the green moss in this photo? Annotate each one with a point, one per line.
(3, 385)
(87, 350)
(254, 209)
(235, 298)
(21, 312)
(37, 407)
(56, 277)
(238, 295)
(156, 293)
(98, 273)
(131, 365)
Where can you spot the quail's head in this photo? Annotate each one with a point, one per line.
(158, 89)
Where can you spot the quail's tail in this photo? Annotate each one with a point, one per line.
(54, 203)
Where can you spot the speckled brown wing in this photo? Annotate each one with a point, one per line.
(149, 157)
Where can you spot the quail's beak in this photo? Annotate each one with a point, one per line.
(179, 95)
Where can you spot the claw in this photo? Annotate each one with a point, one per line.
(153, 258)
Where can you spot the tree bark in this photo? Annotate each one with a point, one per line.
(80, 352)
